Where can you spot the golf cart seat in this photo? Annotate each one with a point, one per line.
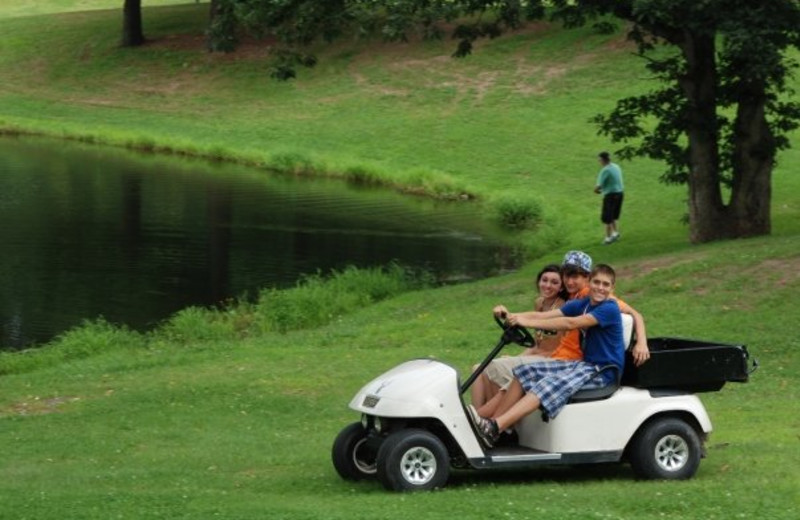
(607, 391)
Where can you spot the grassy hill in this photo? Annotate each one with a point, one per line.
(189, 422)
(512, 120)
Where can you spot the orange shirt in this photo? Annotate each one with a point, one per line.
(569, 348)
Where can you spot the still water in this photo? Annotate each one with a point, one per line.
(91, 231)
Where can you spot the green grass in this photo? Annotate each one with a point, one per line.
(220, 415)
(243, 428)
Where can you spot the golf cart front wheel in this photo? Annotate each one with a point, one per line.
(666, 448)
(410, 460)
(353, 455)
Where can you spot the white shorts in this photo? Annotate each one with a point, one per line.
(499, 371)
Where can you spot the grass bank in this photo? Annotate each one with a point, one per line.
(199, 420)
(242, 427)
(510, 122)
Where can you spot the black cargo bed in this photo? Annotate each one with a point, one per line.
(688, 365)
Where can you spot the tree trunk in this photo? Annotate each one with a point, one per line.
(132, 34)
(213, 12)
(748, 213)
(754, 157)
(708, 215)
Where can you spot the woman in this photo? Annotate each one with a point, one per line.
(498, 374)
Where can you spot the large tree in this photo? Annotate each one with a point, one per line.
(723, 112)
(721, 115)
(132, 33)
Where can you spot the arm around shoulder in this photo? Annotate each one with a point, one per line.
(640, 350)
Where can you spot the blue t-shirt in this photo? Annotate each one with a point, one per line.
(604, 343)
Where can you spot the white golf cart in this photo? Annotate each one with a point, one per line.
(414, 425)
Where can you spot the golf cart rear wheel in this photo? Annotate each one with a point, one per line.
(413, 459)
(666, 448)
(353, 455)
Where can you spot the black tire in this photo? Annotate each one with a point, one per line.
(666, 448)
(354, 457)
(413, 460)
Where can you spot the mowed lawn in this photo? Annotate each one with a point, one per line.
(241, 427)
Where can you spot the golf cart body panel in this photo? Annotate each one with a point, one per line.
(420, 388)
(604, 425)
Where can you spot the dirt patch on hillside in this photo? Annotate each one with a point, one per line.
(532, 79)
(469, 82)
(784, 271)
(364, 82)
(248, 48)
(39, 406)
(638, 270)
(767, 275)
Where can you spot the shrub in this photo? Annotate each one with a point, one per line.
(293, 163)
(316, 300)
(518, 212)
(435, 184)
(88, 339)
(363, 176)
(196, 324)
(93, 337)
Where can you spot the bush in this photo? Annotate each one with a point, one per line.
(94, 337)
(196, 324)
(315, 300)
(88, 339)
(434, 184)
(363, 176)
(518, 212)
(292, 163)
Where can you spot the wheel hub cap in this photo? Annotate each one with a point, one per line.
(672, 453)
(418, 466)
(364, 459)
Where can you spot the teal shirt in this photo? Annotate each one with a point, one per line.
(610, 179)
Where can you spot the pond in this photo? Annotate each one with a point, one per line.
(90, 231)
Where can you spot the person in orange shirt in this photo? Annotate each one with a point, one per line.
(576, 268)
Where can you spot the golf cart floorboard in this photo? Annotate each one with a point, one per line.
(514, 451)
(507, 456)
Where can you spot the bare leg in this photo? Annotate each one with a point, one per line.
(490, 407)
(483, 389)
(490, 390)
(478, 391)
(510, 397)
(520, 409)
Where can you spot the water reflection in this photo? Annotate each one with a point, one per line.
(89, 231)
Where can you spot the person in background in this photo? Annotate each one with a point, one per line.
(609, 184)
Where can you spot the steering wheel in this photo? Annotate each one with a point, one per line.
(515, 334)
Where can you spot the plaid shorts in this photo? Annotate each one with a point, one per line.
(554, 382)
